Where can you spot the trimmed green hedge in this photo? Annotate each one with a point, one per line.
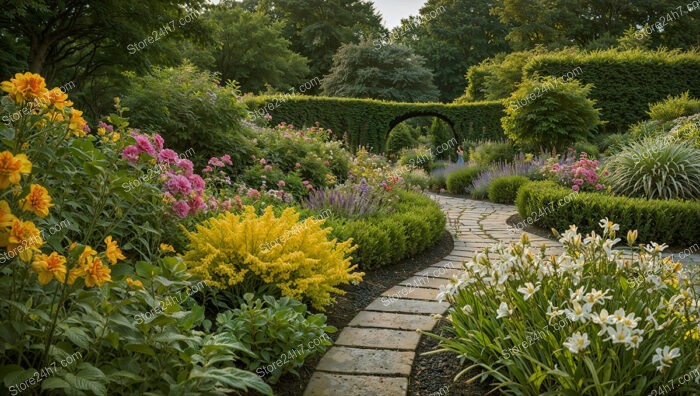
(416, 224)
(624, 82)
(549, 205)
(367, 122)
(459, 180)
(504, 189)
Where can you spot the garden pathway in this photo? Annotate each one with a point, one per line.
(373, 355)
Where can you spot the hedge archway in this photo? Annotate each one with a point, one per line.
(367, 122)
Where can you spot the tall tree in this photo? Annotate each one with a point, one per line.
(317, 28)
(248, 47)
(390, 72)
(598, 23)
(453, 35)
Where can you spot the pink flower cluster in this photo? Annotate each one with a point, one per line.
(580, 174)
(183, 189)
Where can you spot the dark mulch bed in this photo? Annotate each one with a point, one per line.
(434, 374)
(358, 297)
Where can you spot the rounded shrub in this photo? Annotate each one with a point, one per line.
(416, 223)
(589, 148)
(656, 169)
(550, 112)
(419, 158)
(459, 180)
(402, 137)
(674, 107)
(489, 152)
(504, 190)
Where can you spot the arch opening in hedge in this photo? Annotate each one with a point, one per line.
(367, 122)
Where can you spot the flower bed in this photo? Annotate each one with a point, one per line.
(585, 322)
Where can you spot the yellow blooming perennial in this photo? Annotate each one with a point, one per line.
(295, 257)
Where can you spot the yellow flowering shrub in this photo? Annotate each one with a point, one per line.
(294, 258)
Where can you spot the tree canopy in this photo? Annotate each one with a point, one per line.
(391, 72)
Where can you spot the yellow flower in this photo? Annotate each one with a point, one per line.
(6, 217)
(58, 98)
(112, 252)
(165, 248)
(12, 167)
(136, 284)
(77, 123)
(37, 201)
(116, 137)
(25, 87)
(86, 256)
(96, 274)
(48, 267)
(25, 236)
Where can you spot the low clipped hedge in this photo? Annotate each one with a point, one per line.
(504, 190)
(625, 82)
(367, 122)
(416, 224)
(459, 180)
(549, 205)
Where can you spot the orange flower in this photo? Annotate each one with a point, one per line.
(77, 123)
(25, 87)
(6, 217)
(23, 237)
(112, 252)
(165, 248)
(48, 267)
(58, 98)
(96, 274)
(12, 167)
(136, 284)
(37, 201)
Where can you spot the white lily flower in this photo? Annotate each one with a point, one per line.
(577, 342)
(528, 290)
(503, 311)
(664, 357)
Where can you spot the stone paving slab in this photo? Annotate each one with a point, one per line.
(453, 264)
(393, 321)
(378, 338)
(425, 282)
(440, 272)
(325, 384)
(409, 306)
(366, 361)
(412, 293)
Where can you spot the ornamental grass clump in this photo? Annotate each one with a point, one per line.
(589, 321)
(245, 252)
(659, 168)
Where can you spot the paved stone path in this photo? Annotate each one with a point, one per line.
(373, 355)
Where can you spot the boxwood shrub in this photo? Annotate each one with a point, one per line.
(549, 205)
(416, 224)
(459, 180)
(504, 189)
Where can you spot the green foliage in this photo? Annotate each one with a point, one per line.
(687, 130)
(192, 112)
(381, 71)
(367, 122)
(561, 23)
(416, 224)
(497, 77)
(416, 178)
(550, 206)
(249, 48)
(441, 133)
(488, 152)
(625, 81)
(674, 107)
(550, 113)
(402, 137)
(459, 181)
(659, 168)
(282, 332)
(586, 147)
(318, 28)
(589, 320)
(453, 35)
(504, 189)
(418, 158)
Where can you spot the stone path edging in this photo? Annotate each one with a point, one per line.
(374, 354)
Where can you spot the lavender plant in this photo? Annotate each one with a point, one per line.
(524, 165)
(350, 202)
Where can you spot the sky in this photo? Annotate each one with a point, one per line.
(394, 10)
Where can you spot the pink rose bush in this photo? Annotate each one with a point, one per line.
(580, 173)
